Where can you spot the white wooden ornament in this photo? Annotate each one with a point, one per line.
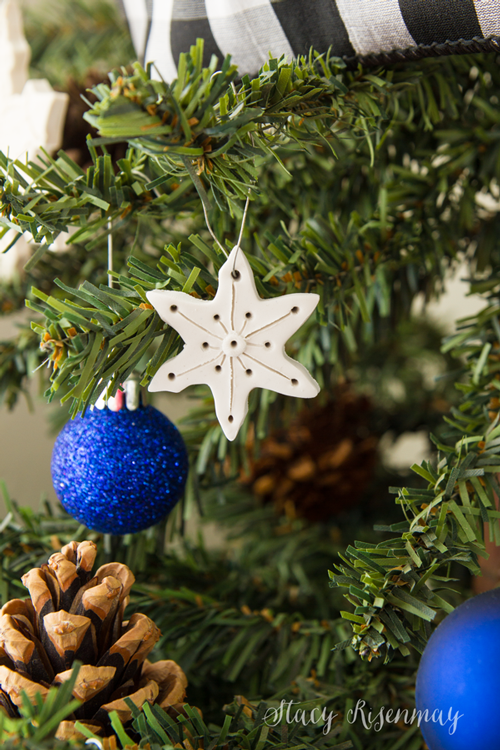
(15, 52)
(32, 115)
(235, 342)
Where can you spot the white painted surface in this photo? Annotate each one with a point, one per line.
(15, 53)
(32, 115)
(453, 305)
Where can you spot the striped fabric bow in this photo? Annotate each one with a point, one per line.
(380, 31)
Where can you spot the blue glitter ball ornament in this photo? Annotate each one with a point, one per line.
(458, 680)
(119, 472)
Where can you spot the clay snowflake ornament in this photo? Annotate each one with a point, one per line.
(235, 342)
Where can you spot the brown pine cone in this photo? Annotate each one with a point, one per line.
(76, 129)
(73, 615)
(322, 462)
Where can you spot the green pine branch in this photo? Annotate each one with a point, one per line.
(398, 586)
(69, 40)
(19, 358)
(290, 655)
(366, 241)
(366, 264)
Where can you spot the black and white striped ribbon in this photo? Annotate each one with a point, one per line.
(250, 29)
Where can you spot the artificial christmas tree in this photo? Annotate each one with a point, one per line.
(365, 184)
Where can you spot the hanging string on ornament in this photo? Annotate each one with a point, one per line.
(214, 237)
(110, 253)
(235, 342)
(122, 466)
(238, 244)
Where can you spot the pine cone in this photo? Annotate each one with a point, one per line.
(76, 129)
(74, 616)
(322, 462)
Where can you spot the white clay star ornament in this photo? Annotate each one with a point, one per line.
(235, 342)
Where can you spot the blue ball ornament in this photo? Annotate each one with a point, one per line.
(119, 472)
(458, 680)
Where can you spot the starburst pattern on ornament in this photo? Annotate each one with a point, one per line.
(235, 342)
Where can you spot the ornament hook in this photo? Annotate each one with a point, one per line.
(213, 233)
(110, 252)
